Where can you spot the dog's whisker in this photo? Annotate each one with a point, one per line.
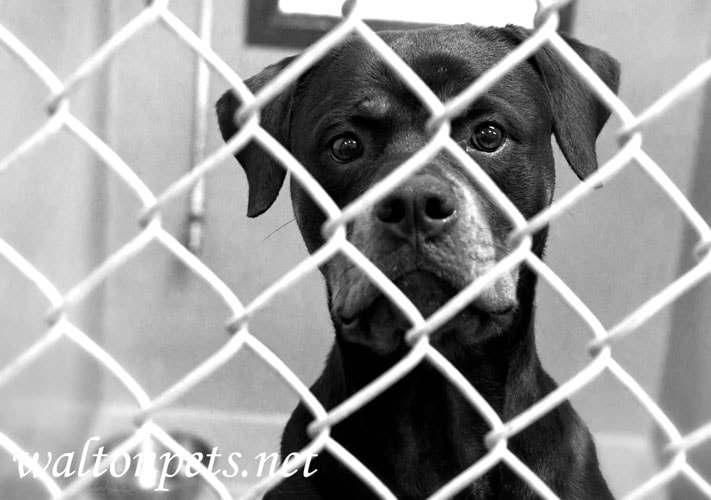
(278, 229)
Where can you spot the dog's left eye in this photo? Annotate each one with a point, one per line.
(346, 148)
(487, 137)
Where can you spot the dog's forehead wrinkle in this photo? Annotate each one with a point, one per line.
(376, 92)
(370, 89)
(374, 106)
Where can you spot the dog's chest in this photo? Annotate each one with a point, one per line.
(432, 440)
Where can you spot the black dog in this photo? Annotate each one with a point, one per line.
(351, 121)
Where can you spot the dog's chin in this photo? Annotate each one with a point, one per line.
(381, 325)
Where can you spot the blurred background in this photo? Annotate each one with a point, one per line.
(66, 213)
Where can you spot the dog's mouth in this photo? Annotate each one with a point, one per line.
(380, 324)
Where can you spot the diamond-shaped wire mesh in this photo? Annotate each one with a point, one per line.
(61, 120)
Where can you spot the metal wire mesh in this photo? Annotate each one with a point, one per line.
(630, 152)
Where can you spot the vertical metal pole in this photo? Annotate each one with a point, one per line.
(196, 213)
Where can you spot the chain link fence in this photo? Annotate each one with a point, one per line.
(60, 328)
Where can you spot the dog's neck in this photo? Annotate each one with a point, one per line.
(485, 364)
(399, 421)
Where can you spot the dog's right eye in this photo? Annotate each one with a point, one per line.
(346, 148)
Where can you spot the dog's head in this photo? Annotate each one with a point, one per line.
(350, 121)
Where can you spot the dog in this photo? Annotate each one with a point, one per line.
(351, 121)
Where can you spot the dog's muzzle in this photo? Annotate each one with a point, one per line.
(432, 238)
(418, 211)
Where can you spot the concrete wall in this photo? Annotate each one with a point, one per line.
(53, 212)
(66, 213)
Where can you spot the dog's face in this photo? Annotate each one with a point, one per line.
(350, 121)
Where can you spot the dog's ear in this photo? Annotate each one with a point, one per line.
(578, 115)
(264, 175)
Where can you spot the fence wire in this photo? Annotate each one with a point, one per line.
(630, 152)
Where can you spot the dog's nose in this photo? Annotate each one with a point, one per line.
(422, 207)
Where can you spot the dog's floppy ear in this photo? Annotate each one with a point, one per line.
(578, 115)
(264, 175)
